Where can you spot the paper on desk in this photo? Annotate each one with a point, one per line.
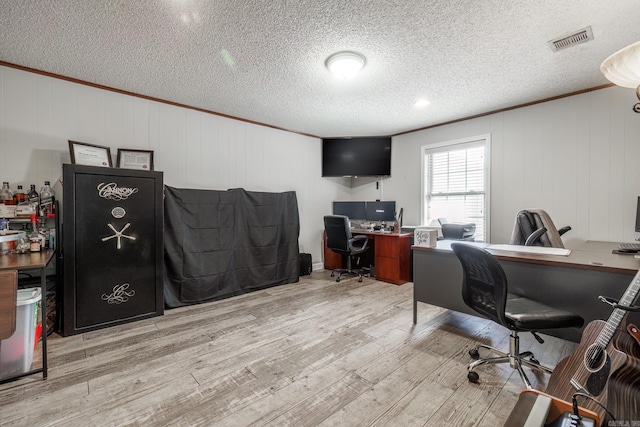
(531, 249)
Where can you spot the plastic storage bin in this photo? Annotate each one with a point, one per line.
(16, 352)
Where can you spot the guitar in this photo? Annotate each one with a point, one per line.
(634, 332)
(596, 359)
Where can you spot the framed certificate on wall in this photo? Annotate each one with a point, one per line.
(90, 154)
(135, 159)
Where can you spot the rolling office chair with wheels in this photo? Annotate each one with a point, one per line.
(534, 227)
(340, 240)
(485, 290)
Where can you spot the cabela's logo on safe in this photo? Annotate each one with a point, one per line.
(111, 191)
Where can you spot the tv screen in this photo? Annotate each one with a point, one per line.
(381, 211)
(364, 156)
(354, 210)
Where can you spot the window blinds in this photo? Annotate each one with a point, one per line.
(455, 185)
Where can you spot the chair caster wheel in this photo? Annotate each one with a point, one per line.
(473, 377)
(475, 355)
(360, 279)
(338, 279)
(332, 274)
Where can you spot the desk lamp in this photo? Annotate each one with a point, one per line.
(623, 69)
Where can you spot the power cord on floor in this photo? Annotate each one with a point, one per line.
(574, 419)
(574, 400)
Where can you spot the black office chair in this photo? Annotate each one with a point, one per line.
(340, 240)
(457, 230)
(534, 227)
(485, 290)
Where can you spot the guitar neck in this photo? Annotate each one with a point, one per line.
(618, 314)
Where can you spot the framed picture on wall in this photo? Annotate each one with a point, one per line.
(90, 154)
(135, 159)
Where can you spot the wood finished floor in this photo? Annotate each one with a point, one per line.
(313, 353)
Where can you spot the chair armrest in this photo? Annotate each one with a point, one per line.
(533, 237)
(564, 230)
(358, 242)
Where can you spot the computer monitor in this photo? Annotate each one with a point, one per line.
(638, 216)
(353, 210)
(381, 211)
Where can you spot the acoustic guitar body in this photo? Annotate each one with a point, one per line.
(624, 384)
(588, 370)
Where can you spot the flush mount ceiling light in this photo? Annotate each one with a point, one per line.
(623, 69)
(345, 65)
(421, 103)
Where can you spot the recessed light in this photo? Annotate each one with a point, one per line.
(421, 103)
(346, 64)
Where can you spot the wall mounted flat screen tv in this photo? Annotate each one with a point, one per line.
(362, 156)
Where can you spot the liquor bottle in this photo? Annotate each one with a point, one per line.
(19, 197)
(33, 198)
(46, 199)
(43, 233)
(52, 238)
(34, 237)
(6, 196)
(23, 245)
(33, 195)
(5, 247)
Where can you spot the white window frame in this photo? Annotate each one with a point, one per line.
(451, 145)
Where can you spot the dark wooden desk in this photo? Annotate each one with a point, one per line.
(391, 256)
(571, 282)
(25, 262)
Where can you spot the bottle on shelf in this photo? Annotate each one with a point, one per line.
(5, 247)
(43, 231)
(47, 197)
(23, 245)
(6, 196)
(19, 197)
(34, 237)
(52, 238)
(33, 198)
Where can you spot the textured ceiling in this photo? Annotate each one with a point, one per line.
(263, 60)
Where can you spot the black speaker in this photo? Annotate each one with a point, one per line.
(305, 264)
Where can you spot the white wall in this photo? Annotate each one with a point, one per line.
(39, 114)
(576, 157)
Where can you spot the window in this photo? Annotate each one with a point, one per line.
(456, 183)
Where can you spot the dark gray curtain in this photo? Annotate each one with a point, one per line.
(218, 244)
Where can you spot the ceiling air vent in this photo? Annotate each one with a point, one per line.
(580, 36)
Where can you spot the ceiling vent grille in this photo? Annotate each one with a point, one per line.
(580, 36)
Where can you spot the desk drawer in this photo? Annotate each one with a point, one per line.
(392, 263)
(386, 269)
(389, 246)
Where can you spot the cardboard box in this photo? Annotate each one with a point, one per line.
(425, 236)
(7, 211)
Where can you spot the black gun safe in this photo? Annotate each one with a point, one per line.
(112, 247)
